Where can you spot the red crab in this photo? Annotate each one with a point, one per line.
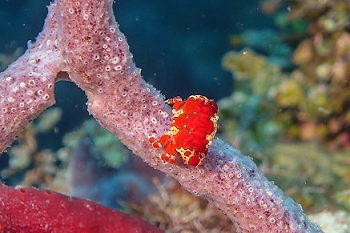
(192, 129)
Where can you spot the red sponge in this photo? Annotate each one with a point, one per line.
(33, 210)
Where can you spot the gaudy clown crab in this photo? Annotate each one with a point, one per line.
(192, 129)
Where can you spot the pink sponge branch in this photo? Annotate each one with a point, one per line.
(97, 58)
(27, 85)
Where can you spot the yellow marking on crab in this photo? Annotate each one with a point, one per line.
(173, 130)
(177, 113)
(186, 154)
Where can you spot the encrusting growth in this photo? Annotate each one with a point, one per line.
(83, 39)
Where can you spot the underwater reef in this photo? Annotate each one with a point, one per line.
(298, 108)
(288, 111)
